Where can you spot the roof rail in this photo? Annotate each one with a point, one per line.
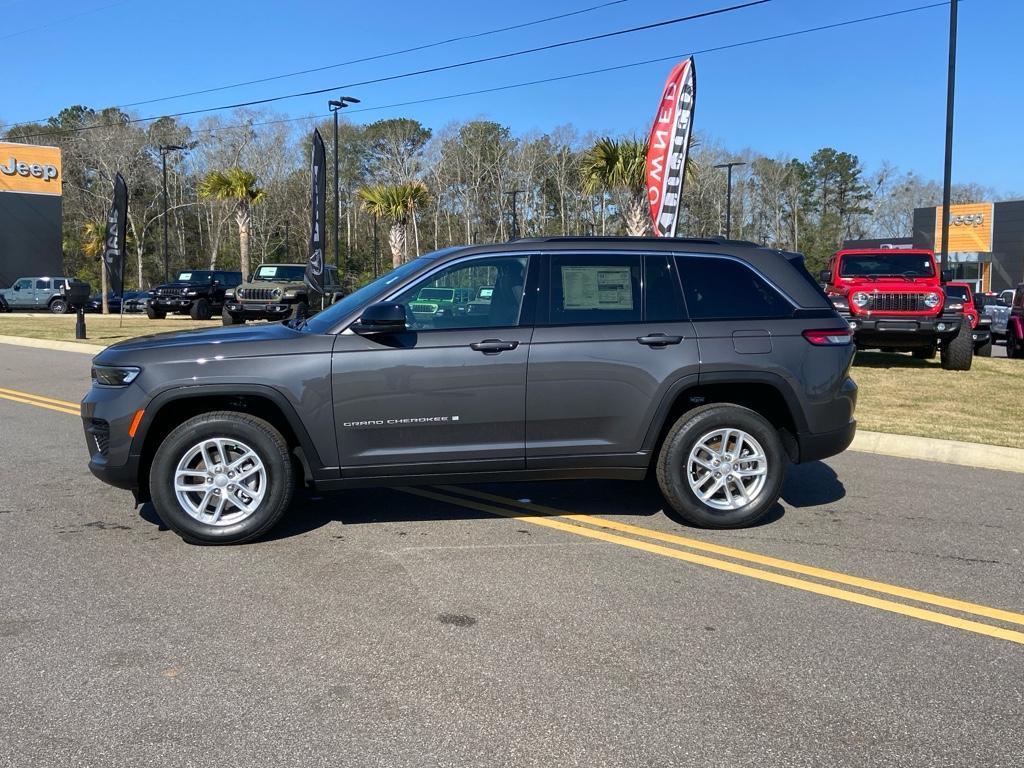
(712, 240)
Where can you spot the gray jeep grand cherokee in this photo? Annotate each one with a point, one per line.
(711, 363)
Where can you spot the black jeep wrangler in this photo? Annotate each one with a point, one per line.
(197, 292)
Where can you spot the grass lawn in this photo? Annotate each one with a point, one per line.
(100, 329)
(898, 394)
(905, 396)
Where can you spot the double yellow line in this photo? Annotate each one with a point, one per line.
(61, 406)
(774, 570)
(808, 578)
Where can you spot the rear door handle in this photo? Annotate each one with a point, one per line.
(493, 346)
(659, 340)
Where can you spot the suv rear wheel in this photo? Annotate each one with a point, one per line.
(58, 306)
(222, 478)
(721, 466)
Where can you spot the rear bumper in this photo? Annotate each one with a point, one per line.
(821, 445)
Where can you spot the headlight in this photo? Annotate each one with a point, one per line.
(277, 292)
(114, 376)
(860, 299)
(932, 300)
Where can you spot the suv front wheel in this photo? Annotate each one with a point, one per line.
(721, 466)
(222, 478)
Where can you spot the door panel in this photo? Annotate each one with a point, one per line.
(424, 399)
(24, 298)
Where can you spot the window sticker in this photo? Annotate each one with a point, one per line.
(597, 288)
(185, 276)
(268, 271)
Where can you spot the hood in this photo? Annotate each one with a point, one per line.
(226, 342)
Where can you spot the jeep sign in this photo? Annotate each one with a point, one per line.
(26, 168)
(970, 227)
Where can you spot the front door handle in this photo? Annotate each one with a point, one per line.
(659, 340)
(493, 346)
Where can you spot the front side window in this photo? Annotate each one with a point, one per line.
(23, 284)
(433, 304)
(956, 292)
(723, 289)
(594, 289)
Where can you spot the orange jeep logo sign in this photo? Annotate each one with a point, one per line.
(27, 168)
(970, 228)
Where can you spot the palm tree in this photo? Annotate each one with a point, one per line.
(611, 166)
(239, 186)
(94, 242)
(396, 203)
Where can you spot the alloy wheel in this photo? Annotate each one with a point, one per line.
(727, 469)
(220, 481)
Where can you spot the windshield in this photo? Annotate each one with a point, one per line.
(956, 292)
(195, 276)
(324, 321)
(877, 265)
(292, 273)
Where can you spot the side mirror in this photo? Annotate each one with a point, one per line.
(946, 275)
(382, 318)
(825, 276)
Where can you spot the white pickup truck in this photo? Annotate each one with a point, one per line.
(997, 308)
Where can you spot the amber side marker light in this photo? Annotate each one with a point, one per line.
(136, 420)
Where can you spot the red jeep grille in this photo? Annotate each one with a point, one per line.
(897, 302)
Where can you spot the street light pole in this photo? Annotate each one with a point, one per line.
(728, 196)
(947, 170)
(336, 105)
(164, 151)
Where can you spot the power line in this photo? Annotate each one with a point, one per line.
(376, 57)
(559, 78)
(445, 67)
(61, 20)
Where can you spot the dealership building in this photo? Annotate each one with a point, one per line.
(986, 242)
(30, 212)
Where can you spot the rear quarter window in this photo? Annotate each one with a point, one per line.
(717, 288)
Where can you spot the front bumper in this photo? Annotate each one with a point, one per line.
(902, 330)
(258, 310)
(173, 303)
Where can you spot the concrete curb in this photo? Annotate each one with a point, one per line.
(60, 346)
(943, 451)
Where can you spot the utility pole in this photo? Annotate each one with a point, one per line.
(514, 193)
(947, 171)
(336, 105)
(164, 151)
(728, 196)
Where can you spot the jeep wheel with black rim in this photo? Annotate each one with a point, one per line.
(59, 307)
(230, 319)
(155, 314)
(222, 478)
(721, 466)
(958, 353)
(200, 310)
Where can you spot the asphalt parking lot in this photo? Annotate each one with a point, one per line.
(876, 619)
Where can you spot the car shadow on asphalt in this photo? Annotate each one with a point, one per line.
(892, 360)
(806, 485)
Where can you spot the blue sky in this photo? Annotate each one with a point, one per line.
(875, 89)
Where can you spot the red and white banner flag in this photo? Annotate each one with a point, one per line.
(667, 148)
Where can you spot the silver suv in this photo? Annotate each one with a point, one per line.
(42, 294)
(710, 364)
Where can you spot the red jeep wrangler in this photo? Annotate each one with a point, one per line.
(894, 301)
(1015, 325)
(961, 296)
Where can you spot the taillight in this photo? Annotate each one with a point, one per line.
(830, 338)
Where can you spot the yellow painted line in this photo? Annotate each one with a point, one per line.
(30, 396)
(39, 404)
(752, 557)
(731, 567)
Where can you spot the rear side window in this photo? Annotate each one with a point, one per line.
(44, 284)
(723, 289)
(595, 289)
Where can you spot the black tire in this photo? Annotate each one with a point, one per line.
(958, 352)
(299, 310)
(229, 319)
(58, 306)
(674, 457)
(985, 349)
(924, 353)
(200, 310)
(256, 433)
(155, 314)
